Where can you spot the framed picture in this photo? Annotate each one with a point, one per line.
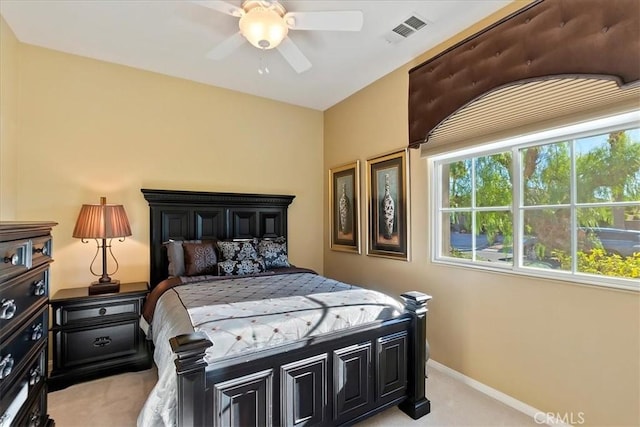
(344, 207)
(388, 210)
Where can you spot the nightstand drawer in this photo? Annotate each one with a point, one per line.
(90, 345)
(77, 314)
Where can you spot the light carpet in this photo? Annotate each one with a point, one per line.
(116, 401)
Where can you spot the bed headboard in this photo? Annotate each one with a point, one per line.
(189, 215)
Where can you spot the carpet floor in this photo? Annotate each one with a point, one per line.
(116, 401)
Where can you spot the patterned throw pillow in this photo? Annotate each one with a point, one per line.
(199, 258)
(274, 252)
(247, 266)
(238, 250)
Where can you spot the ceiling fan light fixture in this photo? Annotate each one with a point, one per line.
(264, 28)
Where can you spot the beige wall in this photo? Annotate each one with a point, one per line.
(559, 347)
(91, 129)
(8, 120)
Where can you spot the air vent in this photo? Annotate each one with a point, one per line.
(415, 22)
(405, 29)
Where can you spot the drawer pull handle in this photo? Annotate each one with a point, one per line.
(34, 376)
(36, 332)
(102, 342)
(43, 250)
(13, 259)
(39, 288)
(8, 309)
(102, 311)
(6, 365)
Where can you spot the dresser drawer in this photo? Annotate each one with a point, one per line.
(36, 413)
(90, 345)
(19, 256)
(96, 312)
(16, 350)
(15, 400)
(41, 248)
(21, 297)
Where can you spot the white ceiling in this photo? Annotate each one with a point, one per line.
(172, 37)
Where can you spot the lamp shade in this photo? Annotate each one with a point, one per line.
(102, 221)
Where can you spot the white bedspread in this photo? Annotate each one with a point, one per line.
(244, 323)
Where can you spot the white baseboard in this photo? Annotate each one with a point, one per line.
(540, 417)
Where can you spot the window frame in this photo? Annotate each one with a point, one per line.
(568, 132)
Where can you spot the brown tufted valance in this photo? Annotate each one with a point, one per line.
(546, 39)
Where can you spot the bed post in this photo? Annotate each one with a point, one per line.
(190, 369)
(417, 403)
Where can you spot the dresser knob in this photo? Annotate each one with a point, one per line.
(39, 288)
(34, 376)
(43, 250)
(36, 332)
(6, 365)
(102, 311)
(13, 259)
(35, 419)
(8, 309)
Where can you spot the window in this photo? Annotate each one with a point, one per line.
(563, 203)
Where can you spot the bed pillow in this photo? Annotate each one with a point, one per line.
(238, 268)
(274, 252)
(238, 250)
(175, 255)
(199, 259)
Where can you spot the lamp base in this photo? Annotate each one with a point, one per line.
(97, 288)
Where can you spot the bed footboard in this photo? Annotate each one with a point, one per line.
(333, 379)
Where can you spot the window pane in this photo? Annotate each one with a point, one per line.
(494, 238)
(612, 229)
(547, 238)
(459, 174)
(608, 167)
(456, 239)
(493, 180)
(546, 172)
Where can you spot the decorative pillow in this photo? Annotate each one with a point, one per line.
(175, 255)
(246, 266)
(274, 252)
(238, 250)
(199, 258)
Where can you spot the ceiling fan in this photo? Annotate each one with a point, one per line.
(266, 23)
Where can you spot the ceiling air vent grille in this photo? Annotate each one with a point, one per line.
(405, 29)
(415, 22)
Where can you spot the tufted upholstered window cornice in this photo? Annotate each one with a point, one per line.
(546, 39)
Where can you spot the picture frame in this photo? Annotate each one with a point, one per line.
(388, 205)
(344, 207)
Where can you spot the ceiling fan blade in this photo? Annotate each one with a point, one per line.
(294, 55)
(220, 6)
(345, 20)
(226, 47)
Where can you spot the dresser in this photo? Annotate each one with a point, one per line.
(25, 249)
(97, 335)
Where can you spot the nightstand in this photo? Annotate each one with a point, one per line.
(97, 335)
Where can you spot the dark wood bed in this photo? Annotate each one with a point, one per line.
(333, 379)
